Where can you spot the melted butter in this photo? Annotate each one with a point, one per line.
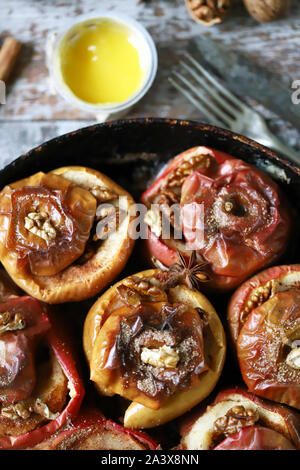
(100, 62)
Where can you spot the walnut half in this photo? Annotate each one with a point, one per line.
(165, 357)
(293, 358)
(39, 223)
(234, 420)
(11, 322)
(25, 408)
(208, 12)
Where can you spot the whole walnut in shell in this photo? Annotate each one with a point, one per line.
(267, 10)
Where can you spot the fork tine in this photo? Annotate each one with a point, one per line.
(196, 103)
(232, 110)
(213, 107)
(213, 80)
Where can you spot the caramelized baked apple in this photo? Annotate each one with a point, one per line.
(231, 213)
(91, 431)
(264, 319)
(40, 388)
(161, 347)
(238, 420)
(50, 244)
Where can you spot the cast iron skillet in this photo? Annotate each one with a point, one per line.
(131, 152)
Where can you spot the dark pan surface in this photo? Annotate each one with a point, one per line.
(131, 152)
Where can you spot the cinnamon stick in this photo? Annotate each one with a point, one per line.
(8, 56)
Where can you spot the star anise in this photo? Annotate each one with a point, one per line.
(191, 272)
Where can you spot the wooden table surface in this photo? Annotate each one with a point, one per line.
(33, 114)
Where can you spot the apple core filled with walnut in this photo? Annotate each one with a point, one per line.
(233, 215)
(50, 242)
(160, 347)
(264, 321)
(238, 420)
(40, 388)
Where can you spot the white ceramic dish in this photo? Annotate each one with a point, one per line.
(148, 58)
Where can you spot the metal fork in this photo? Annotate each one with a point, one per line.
(222, 107)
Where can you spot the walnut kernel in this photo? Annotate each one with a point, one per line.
(234, 420)
(293, 358)
(39, 223)
(208, 12)
(165, 357)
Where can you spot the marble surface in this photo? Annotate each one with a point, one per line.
(33, 114)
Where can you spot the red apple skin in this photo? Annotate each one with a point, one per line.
(221, 157)
(290, 427)
(159, 250)
(241, 260)
(256, 438)
(155, 248)
(240, 296)
(291, 417)
(93, 421)
(259, 346)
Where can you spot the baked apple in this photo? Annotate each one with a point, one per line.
(161, 347)
(40, 388)
(64, 235)
(264, 319)
(238, 420)
(8, 288)
(232, 214)
(256, 438)
(91, 431)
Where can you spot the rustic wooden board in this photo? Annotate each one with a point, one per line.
(33, 114)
